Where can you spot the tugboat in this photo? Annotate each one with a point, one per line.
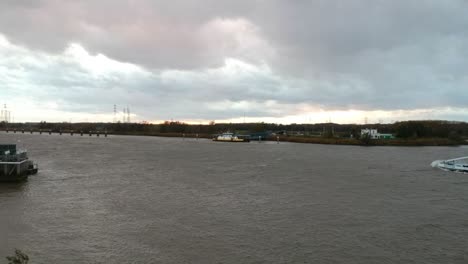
(230, 137)
(15, 165)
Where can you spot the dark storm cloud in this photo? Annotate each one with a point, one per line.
(316, 34)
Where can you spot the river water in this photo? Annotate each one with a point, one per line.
(125, 199)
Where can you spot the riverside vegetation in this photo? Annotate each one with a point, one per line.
(408, 133)
(18, 258)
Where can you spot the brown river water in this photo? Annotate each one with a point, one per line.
(125, 199)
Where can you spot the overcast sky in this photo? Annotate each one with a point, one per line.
(265, 60)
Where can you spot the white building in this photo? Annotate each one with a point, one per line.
(374, 134)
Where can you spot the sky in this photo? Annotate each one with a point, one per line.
(301, 61)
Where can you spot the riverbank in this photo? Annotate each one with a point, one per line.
(375, 142)
(282, 138)
(329, 141)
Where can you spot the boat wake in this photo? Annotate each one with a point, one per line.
(435, 163)
(459, 165)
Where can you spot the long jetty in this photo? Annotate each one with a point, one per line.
(57, 132)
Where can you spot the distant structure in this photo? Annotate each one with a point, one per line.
(128, 114)
(374, 134)
(115, 113)
(5, 115)
(125, 115)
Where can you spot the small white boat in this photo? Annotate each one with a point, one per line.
(458, 164)
(230, 137)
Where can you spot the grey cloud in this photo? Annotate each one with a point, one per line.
(334, 54)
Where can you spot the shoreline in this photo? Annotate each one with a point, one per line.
(416, 142)
(419, 142)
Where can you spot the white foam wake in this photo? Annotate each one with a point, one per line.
(436, 163)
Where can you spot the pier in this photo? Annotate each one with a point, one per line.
(59, 132)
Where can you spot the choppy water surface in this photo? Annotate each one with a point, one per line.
(168, 200)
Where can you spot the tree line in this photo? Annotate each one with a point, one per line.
(405, 129)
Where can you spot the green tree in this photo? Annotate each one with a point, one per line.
(414, 129)
(454, 135)
(259, 127)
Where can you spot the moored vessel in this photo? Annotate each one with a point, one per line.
(230, 137)
(15, 165)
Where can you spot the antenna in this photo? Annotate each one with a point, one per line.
(115, 113)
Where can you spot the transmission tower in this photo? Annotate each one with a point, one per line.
(115, 113)
(128, 114)
(4, 114)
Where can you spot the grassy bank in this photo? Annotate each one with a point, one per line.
(375, 142)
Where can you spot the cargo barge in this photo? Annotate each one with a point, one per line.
(15, 165)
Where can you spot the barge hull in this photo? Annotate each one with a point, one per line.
(16, 171)
(235, 141)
